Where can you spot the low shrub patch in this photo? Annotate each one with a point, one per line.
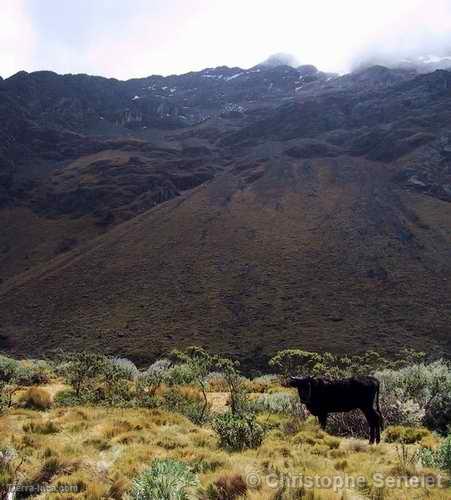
(238, 431)
(406, 435)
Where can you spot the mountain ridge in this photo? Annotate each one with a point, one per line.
(246, 211)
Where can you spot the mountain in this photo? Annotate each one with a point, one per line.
(244, 210)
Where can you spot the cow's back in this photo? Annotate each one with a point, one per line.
(345, 395)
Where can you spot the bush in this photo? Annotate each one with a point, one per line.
(191, 405)
(351, 424)
(165, 479)
(82, 369)
(406, 435)
(33, 372)
(421, 383)
(264, 383)
(126, 367)
(417, 394)
(67, 397)
(216, 382)
(36, 399)
(438, 414)
(395, 412)
(439, 458)
(180, 375)
(8, 369)
(238, 432)
(278, 402)
(115, 387)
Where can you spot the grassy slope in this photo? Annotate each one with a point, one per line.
(322, 254)
(28, 240)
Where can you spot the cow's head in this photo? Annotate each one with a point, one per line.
(304, 387)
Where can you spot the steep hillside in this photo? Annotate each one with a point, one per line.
(325, 254)
(280, 207)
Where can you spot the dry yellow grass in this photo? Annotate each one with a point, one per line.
(99, 451)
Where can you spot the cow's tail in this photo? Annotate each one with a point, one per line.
(378, 407)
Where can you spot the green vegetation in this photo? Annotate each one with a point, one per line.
(165, 480)
(192, 426)
(238, 431)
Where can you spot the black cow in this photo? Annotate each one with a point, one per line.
(323, 396)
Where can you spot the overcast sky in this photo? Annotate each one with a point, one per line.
(126, 39)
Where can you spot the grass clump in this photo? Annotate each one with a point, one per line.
(36, 398)
(165, 479)
(227, 487)
(47, 427)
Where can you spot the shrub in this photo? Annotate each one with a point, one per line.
(419, 393)
(199, 363)
(126, 367)
(148, 382)
(278, 402)
(216, 382)
(406, 435)
(82, 369)
(439, 458)
(421, 383)
(115, 385)
(159, 366)
(238, 432)
(264, 383)
(236, 385)
(66, 397)
(33, 372)
(191, 405)
(397, 409)
(179, 375)
(351, 423)
(8, 369)
(36, 399)
(165, 479)
(438, 414)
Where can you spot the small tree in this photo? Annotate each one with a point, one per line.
(200, 362)
(82, 368)
(238, 394)
(115, 379)
(9, 370)
(291, 362)
(148, 382)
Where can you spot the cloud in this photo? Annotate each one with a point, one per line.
(17, 37)
(415, 29)
(143, 37)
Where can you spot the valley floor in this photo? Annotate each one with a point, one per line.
(94, 453)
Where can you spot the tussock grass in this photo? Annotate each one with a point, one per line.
(100, 451)
(35, 398)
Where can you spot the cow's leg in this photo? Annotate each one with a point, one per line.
(372, 420)
(322, 417)
(380, 421)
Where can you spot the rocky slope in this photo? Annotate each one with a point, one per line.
(248, 210)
